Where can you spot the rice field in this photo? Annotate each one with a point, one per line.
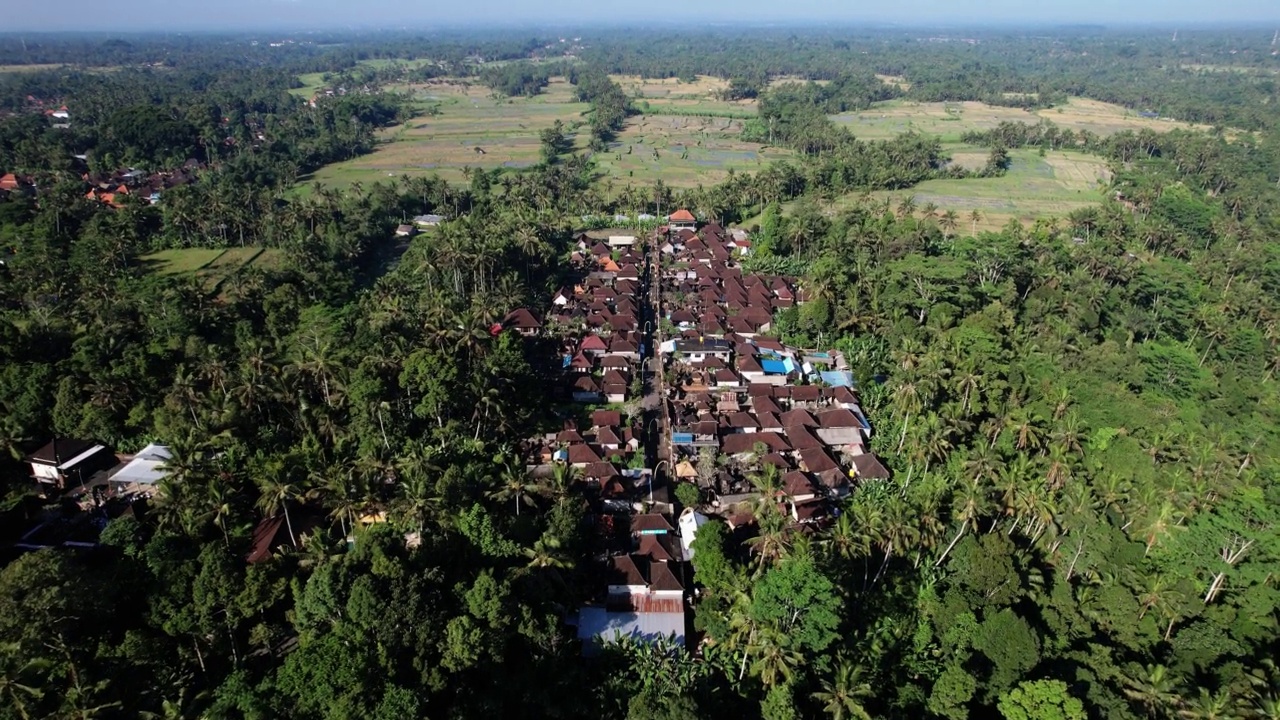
(1034, 187)
(652, 95)
(950, 120)
(211, 266)
(36, 67)
(469, 128)
(685, 151)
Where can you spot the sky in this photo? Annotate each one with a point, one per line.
(189, 15)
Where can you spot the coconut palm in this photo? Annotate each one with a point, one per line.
(1153, 689)
(276, 494)
(515, 487)
(19, 681)
(842, 695)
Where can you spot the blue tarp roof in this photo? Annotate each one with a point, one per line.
(837, 378)
(774, 367)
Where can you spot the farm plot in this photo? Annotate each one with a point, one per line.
(684, 151)
(462, 125)
(212, 267)
(1034, 187)
(950, 120)
(675, 96)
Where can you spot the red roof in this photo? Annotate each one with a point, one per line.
(682, 215)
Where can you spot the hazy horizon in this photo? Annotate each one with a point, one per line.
(300, 15)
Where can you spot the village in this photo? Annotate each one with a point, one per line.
(666, 339)
(686, 410)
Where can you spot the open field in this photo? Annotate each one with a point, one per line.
(690, 151)
(671, 94)
(211, 266)
(951, 120)
(898, 80)
(311, 83)
(28, 68)
(469, 117)
(1034, 187)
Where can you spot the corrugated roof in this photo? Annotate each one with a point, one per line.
(147, 467)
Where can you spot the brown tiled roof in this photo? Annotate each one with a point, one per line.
(586, 383)
(838, 418)
(582, 454)
(746, 442)
(623, 571)
(799, 416)
(592, 342)
(607, 436)
(818, 460)
(801, 438)
(654, 547)
(662, 579)
(796, 483)
(650, 521)
(600, 471)
(601, 418)
(682, 215)
(806, 393)
(869, 466)
(569, 437)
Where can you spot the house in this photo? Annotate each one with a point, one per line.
(142, 472)
(689, 522)
(268, 536)
(869, 467)
(700, 349)
(682, 220)
(522, 321)
(645, 602)
(621, 241)
(650, 524)
(68, 462)
(426, 221)
(9, 182)
(405, 231)
(606, 418)
(586, 389)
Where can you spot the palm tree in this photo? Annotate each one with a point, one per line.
(969, 503)
(276, 494)
(842, 696)
(776, 659)
(416, 500)
(975, 217)
(515, 486)
(18, 681)
(220, 504)
(547, 553)
(949, 222)
(1153, 689)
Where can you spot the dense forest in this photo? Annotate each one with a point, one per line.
(1080, 415)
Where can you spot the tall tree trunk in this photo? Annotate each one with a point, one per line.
(954, 540)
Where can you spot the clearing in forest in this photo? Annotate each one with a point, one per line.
(950, 120)
(675, 96)
(690, 150)
(462, 125)
(212, 266)
(1033, 188)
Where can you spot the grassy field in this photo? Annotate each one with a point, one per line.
(5, 69)
(951, 120)
(311, 83)
(211, 266)
(690, 151)
(1034, 187)
(671, 94)
(469, 117)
